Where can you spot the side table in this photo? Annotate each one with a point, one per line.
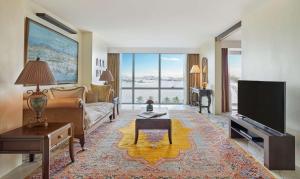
(201, 93)
(37, 140)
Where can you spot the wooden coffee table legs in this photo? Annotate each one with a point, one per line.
(137, 135)
(170, 134)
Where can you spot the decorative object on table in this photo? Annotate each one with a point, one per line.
(204, 70)
(59, 51)
(204, 85)
(195, 70)
(37, 73)
(149, 105)
(151, 114)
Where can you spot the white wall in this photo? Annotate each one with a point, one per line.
(87, 43)
(208, 50)
(31, 9)
(12, 20)
(94, 47)
(11, 62)
(100, 52)
(271, 42)
(212, 51)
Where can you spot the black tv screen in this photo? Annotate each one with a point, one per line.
(263, 102)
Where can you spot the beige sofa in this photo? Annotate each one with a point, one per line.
(80, 106)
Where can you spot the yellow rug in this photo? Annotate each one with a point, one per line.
(152, 145)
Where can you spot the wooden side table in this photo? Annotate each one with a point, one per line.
(201, 93)
(38, 140)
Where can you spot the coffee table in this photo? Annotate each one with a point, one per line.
(156, 123)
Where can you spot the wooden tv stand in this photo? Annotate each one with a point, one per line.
(279, 149)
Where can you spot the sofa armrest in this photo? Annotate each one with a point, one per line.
(60, 103)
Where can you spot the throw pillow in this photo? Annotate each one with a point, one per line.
(91, 97)
(77, 92)
(102, 92)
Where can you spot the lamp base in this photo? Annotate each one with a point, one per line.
(38, 124)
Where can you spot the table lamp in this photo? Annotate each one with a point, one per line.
(107, 77)
(195, 70)
(36, 73)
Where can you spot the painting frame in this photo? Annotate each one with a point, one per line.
(28, 22)
(204, 70)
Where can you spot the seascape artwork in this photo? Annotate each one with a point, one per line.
(59, 51)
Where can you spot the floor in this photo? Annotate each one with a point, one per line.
(221, 121)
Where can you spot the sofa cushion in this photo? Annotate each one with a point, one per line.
(95, 112)
(77, 92)
(103, 92)
(91, 97)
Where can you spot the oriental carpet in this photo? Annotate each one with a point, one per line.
(199, 150)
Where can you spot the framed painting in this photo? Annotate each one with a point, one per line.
(204, 70)
(58, 50)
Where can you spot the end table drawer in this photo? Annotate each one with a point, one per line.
(59, 136)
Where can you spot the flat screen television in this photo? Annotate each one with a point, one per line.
(263, 102)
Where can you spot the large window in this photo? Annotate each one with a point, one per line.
(159, 77)
(235, 73)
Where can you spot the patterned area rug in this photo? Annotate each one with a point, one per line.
(153, 145)
(207, 153)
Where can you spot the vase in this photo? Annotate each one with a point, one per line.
(149, 107)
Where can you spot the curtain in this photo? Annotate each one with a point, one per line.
(225, 81)
(113, 65)
(192, 59)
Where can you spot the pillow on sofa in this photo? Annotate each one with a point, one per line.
(77, 92)
(91, 97)
(102, 91)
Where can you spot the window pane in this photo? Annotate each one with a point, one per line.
(235, 66)
(172, 96)
(126, 69)
(172, 70)
(146, 70)
(141, 96)
(126, 96)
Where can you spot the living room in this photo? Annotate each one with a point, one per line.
(123, 58)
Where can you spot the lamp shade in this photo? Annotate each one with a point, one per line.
(36, 73)
(195, 69)
(106, 76)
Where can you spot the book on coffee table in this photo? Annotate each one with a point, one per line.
(151, 114)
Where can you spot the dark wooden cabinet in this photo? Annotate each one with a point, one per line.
(279, 149)
(25, 140)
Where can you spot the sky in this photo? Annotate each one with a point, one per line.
(235, 65)
(148, 64)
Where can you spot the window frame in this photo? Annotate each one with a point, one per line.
(159, 88)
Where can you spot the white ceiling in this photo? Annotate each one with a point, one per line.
(151, 23)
